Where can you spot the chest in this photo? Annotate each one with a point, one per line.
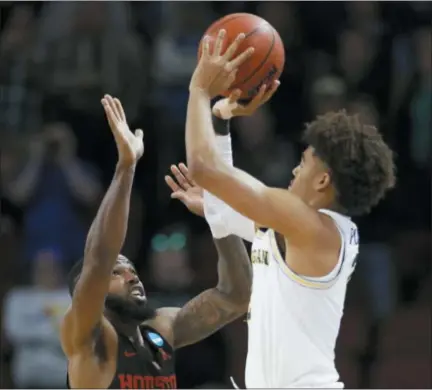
(146, 366)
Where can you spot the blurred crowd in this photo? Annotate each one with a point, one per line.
(57, 59)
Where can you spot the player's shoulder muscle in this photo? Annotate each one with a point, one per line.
(103, 332)
(164, 322)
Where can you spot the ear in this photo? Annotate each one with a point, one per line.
(323, 182)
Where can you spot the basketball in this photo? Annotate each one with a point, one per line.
(267, 62)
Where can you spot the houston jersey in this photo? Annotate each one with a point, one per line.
(294, 320)
(150, 366)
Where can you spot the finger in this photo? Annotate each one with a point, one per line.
(234, 96)
(185, 171)
(112, 119)
(240, 59)
(172, 184)
(120, 110)
(206, 46)
(233, 47)
(181, 180)
(139, 134)
(267, 96)
(230, 79)
(217, 51)
(258, 99)
(113, 107)
(181, 196)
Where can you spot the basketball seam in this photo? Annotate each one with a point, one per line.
(226, 21)
(246, 79)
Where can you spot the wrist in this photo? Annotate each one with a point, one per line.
(125, 167)
(201, 92)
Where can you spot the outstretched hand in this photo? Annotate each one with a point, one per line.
(216, 71)
(230, 107)
(130, 145)
(185, 189)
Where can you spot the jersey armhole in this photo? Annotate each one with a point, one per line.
(321, 282)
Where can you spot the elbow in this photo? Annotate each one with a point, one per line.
(238, 298)
(243, 299)
(241, 306)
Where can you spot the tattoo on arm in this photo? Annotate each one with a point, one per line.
(216, 307)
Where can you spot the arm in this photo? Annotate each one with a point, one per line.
(224, 220)
(216, 307)
(106, 235)
(266, 206)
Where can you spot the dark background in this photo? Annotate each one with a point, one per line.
(58, 156)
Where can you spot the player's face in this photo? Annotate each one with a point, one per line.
(126, 298)
(125, 282)
(310, 176)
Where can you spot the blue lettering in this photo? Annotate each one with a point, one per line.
(354, 238)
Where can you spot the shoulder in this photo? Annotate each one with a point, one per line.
(164, 323)
(104, 335)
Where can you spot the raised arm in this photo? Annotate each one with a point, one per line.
(270, 207)
(106, 235)
(222, 218)
(213, 308)
(218, 306)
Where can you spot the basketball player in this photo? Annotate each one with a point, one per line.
(304, 243)
(111, 337)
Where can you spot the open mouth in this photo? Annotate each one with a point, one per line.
(137, 291)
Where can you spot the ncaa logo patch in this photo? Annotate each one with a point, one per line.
(155, 339)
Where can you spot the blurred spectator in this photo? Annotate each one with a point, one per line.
(375, 258)
(287, 104)
(364, 62)
(172, 277)
(262, 152)
(170, 269)
(328, 93)
(20, 89)
(56, 18)
(31, 319)
(421, 111)
(92, 58)
(52, 183)
(364, 16)
(175, 54)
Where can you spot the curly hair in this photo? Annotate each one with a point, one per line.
(360, 162)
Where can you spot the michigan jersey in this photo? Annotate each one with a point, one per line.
(294, 320)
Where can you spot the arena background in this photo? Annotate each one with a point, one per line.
(56, 62)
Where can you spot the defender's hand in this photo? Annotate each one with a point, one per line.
(229, 107)
(185, 189)
(216, 71)
(130, 146)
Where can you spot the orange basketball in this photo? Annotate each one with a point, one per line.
(266, 63)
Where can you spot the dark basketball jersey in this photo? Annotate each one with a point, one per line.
(144, 367)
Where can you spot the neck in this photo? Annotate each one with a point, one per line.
(129, 329)
(322, 202)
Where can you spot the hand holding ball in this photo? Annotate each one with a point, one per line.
(266, 63)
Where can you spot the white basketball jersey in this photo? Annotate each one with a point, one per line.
(294, 320)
